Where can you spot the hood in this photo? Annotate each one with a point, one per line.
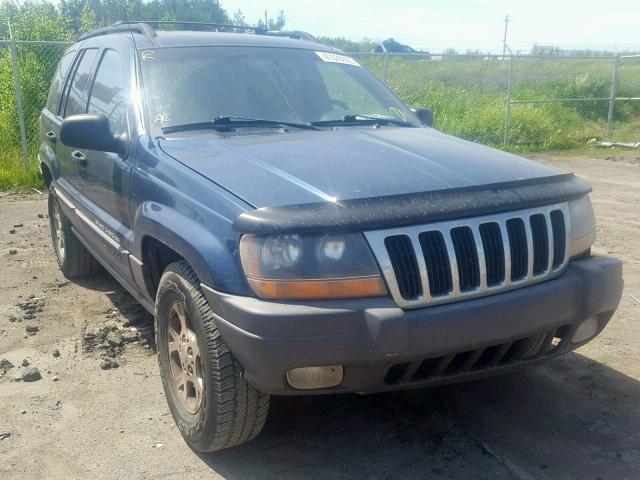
(350, 163)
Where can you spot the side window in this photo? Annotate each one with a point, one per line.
(108, 92)
(58, 82)
(79, 86)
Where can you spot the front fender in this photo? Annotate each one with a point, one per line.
(214, 257)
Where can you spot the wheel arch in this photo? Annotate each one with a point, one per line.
(47, 177)
(165, 235)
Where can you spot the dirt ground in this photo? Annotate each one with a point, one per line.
(576, 417)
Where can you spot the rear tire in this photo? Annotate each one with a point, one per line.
(212, 404)
(73, 258)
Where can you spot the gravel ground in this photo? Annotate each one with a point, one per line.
(80, 395)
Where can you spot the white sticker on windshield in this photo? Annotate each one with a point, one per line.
(337, 58)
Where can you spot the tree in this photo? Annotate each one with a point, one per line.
(272, 24)
(546, 50)
(346, 45)
(239, 18)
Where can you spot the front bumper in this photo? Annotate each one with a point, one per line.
(383, 347)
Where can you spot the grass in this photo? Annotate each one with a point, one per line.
(13, 175)
(468, 97)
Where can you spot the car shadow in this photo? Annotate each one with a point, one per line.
(122, 300)
(570, 418)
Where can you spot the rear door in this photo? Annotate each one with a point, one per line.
(74, 101)
(50, 119)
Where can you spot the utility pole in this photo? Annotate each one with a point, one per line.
(266, 21)
(504, 40)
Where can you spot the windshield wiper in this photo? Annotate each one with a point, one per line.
(230, 122)
(360, 119)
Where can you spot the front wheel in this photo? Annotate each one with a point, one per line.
(211, 402)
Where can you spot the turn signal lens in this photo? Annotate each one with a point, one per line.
(319, 289)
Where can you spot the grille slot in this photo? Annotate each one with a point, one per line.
(436, 259)
(467, 257)
(405, 265)
(559, 237)
(540, 239)
(450, 261)
(493, 252)
(519, 252)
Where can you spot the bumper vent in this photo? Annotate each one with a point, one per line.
(544, 344)
(450, 261)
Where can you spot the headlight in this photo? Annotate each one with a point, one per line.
(583, 226)
(297, 267)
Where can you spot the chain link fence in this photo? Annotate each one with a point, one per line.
(519, 99)
(490, 99)
(26, 69)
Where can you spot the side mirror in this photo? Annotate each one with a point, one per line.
(90, 131)
(424, 115)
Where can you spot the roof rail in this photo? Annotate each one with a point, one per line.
(200, 24)
(145, 27)
(296, 34)
(139, 27)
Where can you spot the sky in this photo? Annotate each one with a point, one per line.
(462, 24)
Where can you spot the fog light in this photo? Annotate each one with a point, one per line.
(586, 330)
(309, 378)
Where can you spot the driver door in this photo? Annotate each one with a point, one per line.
(103, 177)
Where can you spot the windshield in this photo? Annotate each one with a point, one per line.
(200, 84)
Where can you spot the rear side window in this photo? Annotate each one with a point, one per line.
(58, 82)
(76, 98)
(108, 92)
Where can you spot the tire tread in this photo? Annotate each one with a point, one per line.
(241, 410)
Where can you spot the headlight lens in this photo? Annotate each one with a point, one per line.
(583, 226)
(297, 267)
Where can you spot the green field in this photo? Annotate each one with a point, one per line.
(468, 97)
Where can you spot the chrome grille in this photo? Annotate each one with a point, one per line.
(455, 260)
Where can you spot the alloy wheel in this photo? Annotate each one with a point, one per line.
(58, 236)
(185, 359)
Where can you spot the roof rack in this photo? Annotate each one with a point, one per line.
(296, 34)
(140, 27)
(199, 24)
(145, 28)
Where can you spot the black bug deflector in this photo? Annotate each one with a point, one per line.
(412, 208)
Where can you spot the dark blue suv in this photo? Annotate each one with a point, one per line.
(296, 229)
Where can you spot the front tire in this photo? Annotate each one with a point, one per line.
(73, 258)
(211, 402)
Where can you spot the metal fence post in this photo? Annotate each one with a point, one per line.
(614, 92)
(16, 81)
(507, 119)
(385, 61)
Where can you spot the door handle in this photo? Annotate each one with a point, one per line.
(79, 157)
(51, 136)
